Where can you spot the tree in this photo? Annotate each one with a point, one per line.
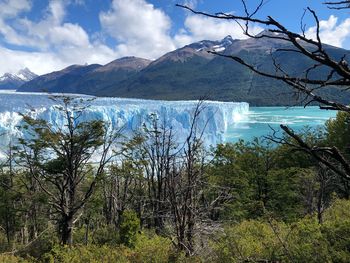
(60, 159)
(337, 74)
(129, 227)
(157, 149)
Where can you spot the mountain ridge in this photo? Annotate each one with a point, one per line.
(191, 72)
(15, 80)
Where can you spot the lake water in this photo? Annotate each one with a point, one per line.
(259, 120)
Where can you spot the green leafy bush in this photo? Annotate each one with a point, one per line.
(306, 243)
(42, 245)
(129, 227)
(336, 230)
(12, 259)
(90, 253)
(250, 240)
(153, 249)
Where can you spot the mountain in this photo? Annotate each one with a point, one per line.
(191, 72)
(87, 79)
(13, 81)
(60, 81)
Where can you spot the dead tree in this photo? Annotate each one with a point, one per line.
(185, 184)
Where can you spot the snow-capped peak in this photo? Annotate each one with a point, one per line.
(15, 80)
(223, 44)
(22, 75)
(26, 75)
(217, 46)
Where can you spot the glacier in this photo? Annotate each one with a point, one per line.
(130, 114)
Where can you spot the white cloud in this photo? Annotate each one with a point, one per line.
(50, 31)
(331, 32)
(139, 27)
(58, 44)
(43, 62)
(39, 62)
(11, 8)
(202, 27)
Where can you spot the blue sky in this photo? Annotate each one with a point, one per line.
(47, 35)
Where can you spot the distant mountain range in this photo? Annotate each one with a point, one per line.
(14, 81)
(191, 72)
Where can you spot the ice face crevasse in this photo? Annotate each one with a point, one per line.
(127, 113)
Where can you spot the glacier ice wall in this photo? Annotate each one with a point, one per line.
(215, 118)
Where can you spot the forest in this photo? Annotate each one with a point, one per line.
(84, 192)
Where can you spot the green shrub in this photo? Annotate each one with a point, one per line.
(12, 259)
(42, 245)
(105, 236)
(90, 253)
(153, 249)
(4, 246)
(250, 240)
(129, 227)
(336, 230)
(306, 243)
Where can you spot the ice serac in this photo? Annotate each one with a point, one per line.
(128, 113)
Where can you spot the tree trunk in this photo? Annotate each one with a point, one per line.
(67, 230)
(320, 203)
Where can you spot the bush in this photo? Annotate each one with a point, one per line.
(336, 230)
(303, 241)
(129, 227)
(42, 245)
(306, 243)
(153, 249)
(3, 243)
(106, 235)
(250, 240)
(12, 259)
(90, 253)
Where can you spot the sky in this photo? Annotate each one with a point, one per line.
(48, 35)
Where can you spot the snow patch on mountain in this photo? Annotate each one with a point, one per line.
(217, 46)
(22, 75)
(26, 75)
(14, 80)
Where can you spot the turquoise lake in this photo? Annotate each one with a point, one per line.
(258, 121)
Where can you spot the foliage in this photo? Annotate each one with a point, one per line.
(249, 240)
(302, 241)
(147, 249)
(13, 259)
(338, 132)
(90, 253)
(40, 246)
(129, 227)
(306, 243)
(152, 249)
(336, 229)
